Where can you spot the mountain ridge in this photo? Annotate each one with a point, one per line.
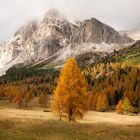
(39, 40)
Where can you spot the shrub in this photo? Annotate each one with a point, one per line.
(126, 105)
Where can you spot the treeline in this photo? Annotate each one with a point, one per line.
(20, 86)
(18, 74)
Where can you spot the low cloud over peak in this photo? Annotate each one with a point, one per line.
(121, 14)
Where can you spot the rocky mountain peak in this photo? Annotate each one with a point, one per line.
(52, 13)
(93, 30)
(27, 30)
(38, 41)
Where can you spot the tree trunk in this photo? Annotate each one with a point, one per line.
(60, 115)
(60, 118)
(26, 104)
(70, 115)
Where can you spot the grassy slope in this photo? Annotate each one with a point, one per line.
(130, 54)
(135, 60)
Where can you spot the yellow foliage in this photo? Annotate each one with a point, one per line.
(43, 100)
(119, 107)
(127, 105)
(102, 103)
(28, 97)
(70, 95)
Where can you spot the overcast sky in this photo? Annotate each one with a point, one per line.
(120, 14)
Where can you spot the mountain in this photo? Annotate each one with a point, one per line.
(55, 38)
(134, 33)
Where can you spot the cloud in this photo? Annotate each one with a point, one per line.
(120, 14)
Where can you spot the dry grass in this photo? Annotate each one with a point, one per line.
(38, 125)
(26, 114)
(90, 117)
(110, 117)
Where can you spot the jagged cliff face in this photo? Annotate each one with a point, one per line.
(94, 31)
(37, 41)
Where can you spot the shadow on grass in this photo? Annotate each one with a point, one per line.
(60, 130)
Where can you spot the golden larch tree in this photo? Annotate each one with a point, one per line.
(70, 96)
(43, 100)
(102, 103)
(127, 105)
(119, 108)
(28, 97)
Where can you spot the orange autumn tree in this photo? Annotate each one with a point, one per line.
(119, 108)
(28, 97)
(1, 92)
(15, 95)
(70, 96)
(102, 103)
(43, 100)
